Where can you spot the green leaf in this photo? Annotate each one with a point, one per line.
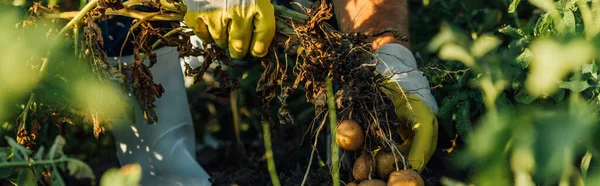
(128, 175)
(455, 52)
(447, 108)
(484, 44)
(585, 164)
(559, 95)
(39, 154)
(523, 97)
(463, 120)
(568, 22)
(575, 86)
(511, 31)
(20, 153)
(542, 25)
(513, 6)
(79, 169)
(523, 58)
(26, 177)
(56, 151)
(56, 180)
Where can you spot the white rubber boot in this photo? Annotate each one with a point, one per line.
(165, 149)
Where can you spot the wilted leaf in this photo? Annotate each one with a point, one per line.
(463, 120)
(79, 169)
(575, 86)
(484, 44)
(511, 31)
(513, 6)
(26, 177)
(128, 175)
(452, 51)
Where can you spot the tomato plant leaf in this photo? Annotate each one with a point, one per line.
(79, 169)
(513, 6)
(463, 120)
(575, 86)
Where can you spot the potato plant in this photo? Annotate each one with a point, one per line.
(516, 83)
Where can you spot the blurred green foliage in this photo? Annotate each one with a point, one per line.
(519, 86)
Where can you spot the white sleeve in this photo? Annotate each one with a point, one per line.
(398, 62)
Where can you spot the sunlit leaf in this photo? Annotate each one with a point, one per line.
(542, 25)
(79, 169)
(513, 6)
(568, 22)
(128, 175)
(552, 61)
(585, 164)
(575, 86)
(511, 31)
(484, 44)
(446, 35)
(452, 51)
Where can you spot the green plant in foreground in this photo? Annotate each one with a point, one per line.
(539, 88)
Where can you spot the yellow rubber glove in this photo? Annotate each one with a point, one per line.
(239, 25)
(409, 91)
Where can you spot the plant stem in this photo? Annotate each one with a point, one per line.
(332, 127)
(88, 7)
(28, 164)
(269, 153)
(176, 30)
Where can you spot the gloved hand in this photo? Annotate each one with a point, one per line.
(238, 25)
(410, 93)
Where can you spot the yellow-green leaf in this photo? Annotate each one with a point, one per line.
(79, 169)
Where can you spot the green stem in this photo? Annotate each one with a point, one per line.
(28, 164)
(88, 7)
(332, 127)
(269, 153)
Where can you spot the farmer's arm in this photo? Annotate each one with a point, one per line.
(409, 89)
(368, 16)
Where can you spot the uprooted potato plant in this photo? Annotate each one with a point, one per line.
(323, 58)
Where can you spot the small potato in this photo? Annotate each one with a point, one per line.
(350, 135)
(372, 182)
(386, 163)
(405, 178)
(362, 167)
(351, 184)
